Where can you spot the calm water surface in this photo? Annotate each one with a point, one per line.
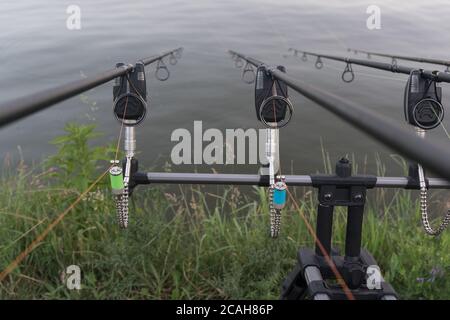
(38, 52)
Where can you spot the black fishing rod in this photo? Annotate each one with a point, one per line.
(237, 56)
(346, 190)
(427, 74)
(24, 106)
(401, 57)
(423, 110)
(432, 155)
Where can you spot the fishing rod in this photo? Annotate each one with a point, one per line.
(348, 75)
(274, 110)
(423, 110)
(432, 155)
(400, 57)
(130, 104)
(19, 108)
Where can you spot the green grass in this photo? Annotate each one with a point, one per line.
(188, 242)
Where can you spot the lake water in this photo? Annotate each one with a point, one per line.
(38, 52)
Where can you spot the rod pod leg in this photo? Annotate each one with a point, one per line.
(353, 268)
(354, 232)
(324, 228)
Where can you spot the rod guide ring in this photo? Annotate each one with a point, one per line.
(161, 67)
(275, 99)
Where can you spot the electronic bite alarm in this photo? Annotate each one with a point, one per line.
(423, 107)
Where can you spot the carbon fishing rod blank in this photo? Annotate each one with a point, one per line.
(401, 57)
(24, 106)
(130, 96)
(273, 107)
(422, 102)
(391, 67)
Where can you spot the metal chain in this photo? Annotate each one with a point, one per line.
(121, 201)
(424, 208)
(118, 202)
(424, 202)
(124, 214)
(275, 216)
